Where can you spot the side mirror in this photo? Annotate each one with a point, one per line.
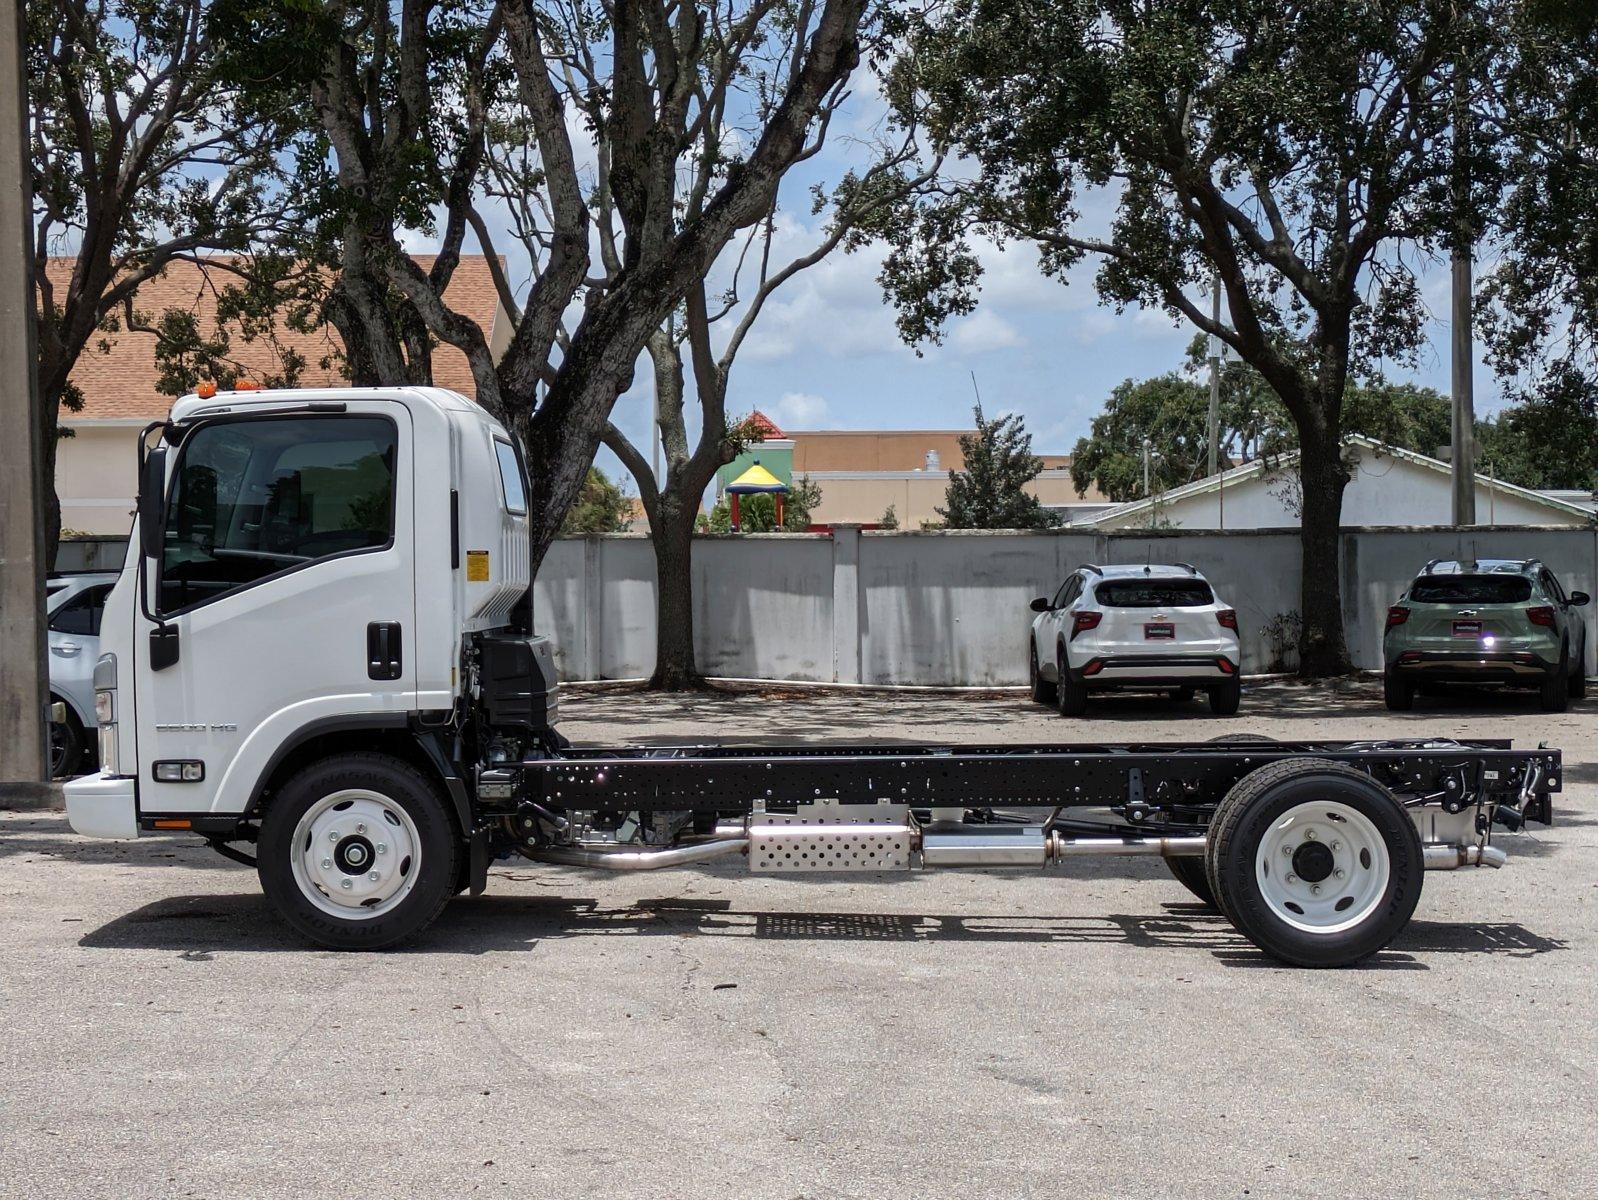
(152, 502)
(1041, 604)
(1580, 598)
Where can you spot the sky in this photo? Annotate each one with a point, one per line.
(825, 353)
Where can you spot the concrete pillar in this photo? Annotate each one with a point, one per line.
(847, 602)
(24, 724)
(593, 610)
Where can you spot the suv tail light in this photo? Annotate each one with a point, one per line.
(1397, 615)
(1541, 615)
(1085, 620)
(1228, 619)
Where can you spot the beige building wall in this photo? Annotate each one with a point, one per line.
(861, 497)
(96, 476)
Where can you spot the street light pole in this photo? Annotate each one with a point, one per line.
(24, 725)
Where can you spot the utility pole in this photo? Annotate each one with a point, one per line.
(1463, 439)
(24, 723)
(1148, 448)
(1214, 427)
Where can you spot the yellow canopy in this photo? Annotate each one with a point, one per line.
(756, 479)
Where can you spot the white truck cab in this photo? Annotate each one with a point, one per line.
(322, 556)
(321, 648)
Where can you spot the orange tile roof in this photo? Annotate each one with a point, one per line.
(118, 375)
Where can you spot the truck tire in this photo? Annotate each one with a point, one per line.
(1314, 862)
(1398, 693)
(358, 852)
(1070, 695)
(1554, 694)
(1190, 873)
(1042, 689)
(1225, 697)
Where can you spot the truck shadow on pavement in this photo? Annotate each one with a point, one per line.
(200, 926)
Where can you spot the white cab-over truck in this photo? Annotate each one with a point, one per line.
(319, 657)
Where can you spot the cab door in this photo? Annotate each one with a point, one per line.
(287, 574)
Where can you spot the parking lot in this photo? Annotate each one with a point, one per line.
(1089, 1031)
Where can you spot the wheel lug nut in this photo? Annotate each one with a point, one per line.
(346, 885)
(1287, 850)
(1316, 890)
(326, 863)
(1292, 879)
(1337, 845)
(1309, 835)
(332, 835)
(382, 847)
(360, 829)
(373, 876)
(1342, 874)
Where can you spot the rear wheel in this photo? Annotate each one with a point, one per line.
(358, 852)
(1042, 689)
(1398, 693)
(1225, 697)
(1314, 862)
(1554, 694)
(67, 742)
(1190, 873)
(1070, 695)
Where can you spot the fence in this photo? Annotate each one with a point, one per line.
(951, 608)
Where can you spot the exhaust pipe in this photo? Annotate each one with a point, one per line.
(1030, 847)
(640, 860)
(1448, 858)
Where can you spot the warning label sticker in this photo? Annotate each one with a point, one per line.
(477, 566)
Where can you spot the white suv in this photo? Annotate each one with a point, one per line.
(1150, 628)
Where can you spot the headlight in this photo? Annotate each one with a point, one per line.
(105, 712)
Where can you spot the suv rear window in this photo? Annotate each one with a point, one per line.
(1154, 593)
(1470, 589)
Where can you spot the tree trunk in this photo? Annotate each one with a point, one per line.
(676, 668)
(1321, 647)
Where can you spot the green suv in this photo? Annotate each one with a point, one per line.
(1489, 621)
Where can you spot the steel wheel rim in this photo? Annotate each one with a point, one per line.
(1317, 836)
(356, 854)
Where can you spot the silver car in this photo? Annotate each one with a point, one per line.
(74, 604)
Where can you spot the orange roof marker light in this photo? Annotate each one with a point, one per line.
(246, 385)
(205, 389)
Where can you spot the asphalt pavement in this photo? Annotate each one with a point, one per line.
(698, 1033)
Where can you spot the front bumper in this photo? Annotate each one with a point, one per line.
(1155, 670)
(1471, 666)
(103, 806)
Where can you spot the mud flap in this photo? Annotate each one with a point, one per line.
(478, 863)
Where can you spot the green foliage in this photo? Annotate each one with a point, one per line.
(601, 507)
(889, 518)
(990, 492)
(1546, 441)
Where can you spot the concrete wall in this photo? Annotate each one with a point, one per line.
(96, 477)
(951, 608)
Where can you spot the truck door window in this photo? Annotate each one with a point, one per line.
(257, 497)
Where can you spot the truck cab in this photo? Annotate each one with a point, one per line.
(306, 568)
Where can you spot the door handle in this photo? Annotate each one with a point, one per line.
(383, 650)
(66, 649)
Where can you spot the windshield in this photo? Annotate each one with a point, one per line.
(1154, 593)
(1470, 589)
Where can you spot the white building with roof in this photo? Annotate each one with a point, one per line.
(1387, 486)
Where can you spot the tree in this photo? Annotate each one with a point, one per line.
(990, 491)
(140, 156)
(601, 507)
(1302, 156)
(438, 116)
(1550, 441)
(889, 518)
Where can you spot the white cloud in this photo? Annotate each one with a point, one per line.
(985, 331)
(800, 410)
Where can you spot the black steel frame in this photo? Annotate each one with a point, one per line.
(1177, 783)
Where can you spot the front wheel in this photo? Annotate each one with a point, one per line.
(358, 852)
(1314, 862)
(1042, 689)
